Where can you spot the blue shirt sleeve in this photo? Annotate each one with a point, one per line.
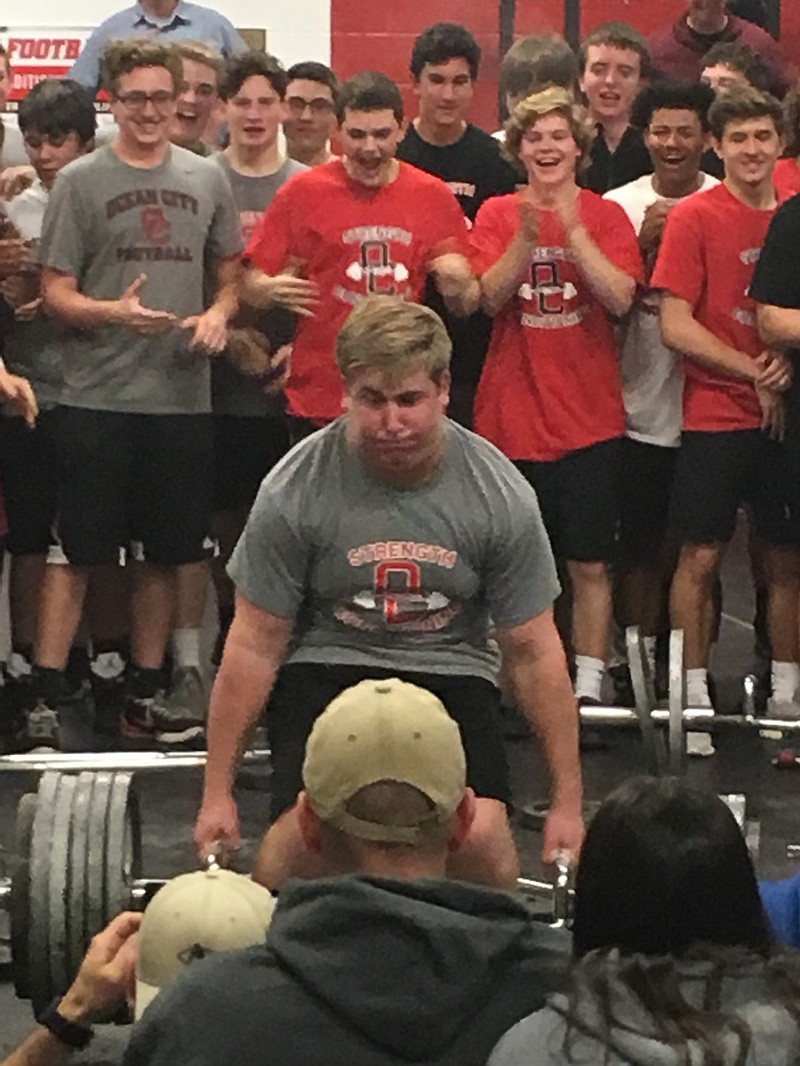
(86, 68)
(781, 901)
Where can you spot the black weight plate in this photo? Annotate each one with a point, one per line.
(76, 906)
(39, 900)
(60, 847)
(19, 903)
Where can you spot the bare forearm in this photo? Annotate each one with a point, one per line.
(240, 692)
(543, 693)
(75, 309)
(40, 1049)
(685, 334)
(501, 281)
(779, 326)
(613, 287)
(229, 280)
(255, 288)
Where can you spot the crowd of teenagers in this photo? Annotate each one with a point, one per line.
(392, 386)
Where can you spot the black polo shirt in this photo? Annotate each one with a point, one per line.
(609, 170)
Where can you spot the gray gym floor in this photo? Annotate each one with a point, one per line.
(742, 764)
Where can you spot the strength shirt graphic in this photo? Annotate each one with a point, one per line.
(352, 242)
(406, 579)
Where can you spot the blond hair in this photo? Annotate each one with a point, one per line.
(394, 337)
(123, 57)
(199, 52)
(553, 99)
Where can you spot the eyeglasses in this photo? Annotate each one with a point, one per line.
(318, 106)
(137, 99)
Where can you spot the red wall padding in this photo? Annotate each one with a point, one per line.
(378, 35)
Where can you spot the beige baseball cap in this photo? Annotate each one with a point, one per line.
(384, 731)
(192, 916)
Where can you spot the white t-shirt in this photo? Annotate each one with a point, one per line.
(652, 374)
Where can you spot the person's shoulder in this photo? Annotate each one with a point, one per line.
(749, 33)
(488, 465)
(633, 192)
(536, 1038)
(665, 36)
(413, 174)
(291, 168)
(701, 205)
(600, 208)
(74, 174)
(193, 162)
(205, 12)
(479, 139)
(117, 21)
(310, 464)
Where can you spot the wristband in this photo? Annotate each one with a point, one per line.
(74, 1036)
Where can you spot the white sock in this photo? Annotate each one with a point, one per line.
(650, 652)
(697, 687)
(186, 647)
(785, 680)
(588, 676)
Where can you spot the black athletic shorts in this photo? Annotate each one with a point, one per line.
(28, 458)
(303, 691)
(647, 472)
(579, 500)
(245, 450)
(135, 481)
(715, 473)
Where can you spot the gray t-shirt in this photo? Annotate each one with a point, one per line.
(107, 223)
(233, 393)
(34, 349)
(402, 578)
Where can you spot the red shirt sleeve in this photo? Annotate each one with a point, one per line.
(680, 267)
(618, 242)
(448, 226)
(273, 239)
(492, 232)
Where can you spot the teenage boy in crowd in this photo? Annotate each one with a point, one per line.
(125, 241)
(533, 62)
(249, 427)
(364, 224)
(614, 65)
(732, 404)
(57, 123)
(444, 65)
(311, 113)
(556, 263)
(198, 97)
(679, 50)
(674, 118)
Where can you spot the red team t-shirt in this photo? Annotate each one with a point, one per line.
(353, 242)
(551, 383)
(711, 245)
(786, 178)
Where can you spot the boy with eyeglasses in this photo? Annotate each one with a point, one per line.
(311, 119)
(124, 244)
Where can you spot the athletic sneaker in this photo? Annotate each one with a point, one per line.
(180, 717)
(41, 729)
(136, 720)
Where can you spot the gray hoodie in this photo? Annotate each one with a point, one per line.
(362, 971)
(539, 1039)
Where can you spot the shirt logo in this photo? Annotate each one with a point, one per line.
(155, 224)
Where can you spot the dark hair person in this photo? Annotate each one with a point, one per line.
(674, 958)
